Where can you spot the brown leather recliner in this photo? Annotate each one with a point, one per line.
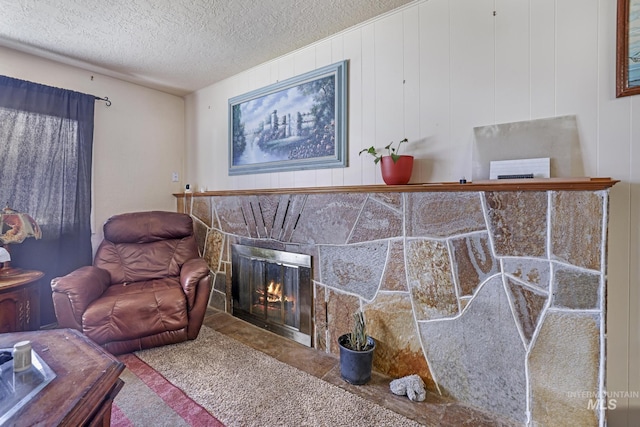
(147, 286)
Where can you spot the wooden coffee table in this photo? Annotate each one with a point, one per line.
(87, 380)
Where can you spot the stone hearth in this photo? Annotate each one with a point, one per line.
(495, 298)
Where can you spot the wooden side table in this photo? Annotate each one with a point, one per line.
(20, 301)
(87, 380)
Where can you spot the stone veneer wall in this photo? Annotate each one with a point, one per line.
(496, 299)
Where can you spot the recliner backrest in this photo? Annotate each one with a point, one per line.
(146, 245)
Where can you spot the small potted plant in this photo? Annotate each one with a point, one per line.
(356, 352)
(396, 168)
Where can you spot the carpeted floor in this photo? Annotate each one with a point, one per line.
(238, 386)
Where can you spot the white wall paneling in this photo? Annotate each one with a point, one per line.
(389, 88)
(472, 86)
(542, 44)
(577, 71)
(370, 173)
(352, 49)
(434, 70)
(411, 95)
(513, 60)
(436, 125)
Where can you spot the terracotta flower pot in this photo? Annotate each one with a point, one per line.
(397, 173)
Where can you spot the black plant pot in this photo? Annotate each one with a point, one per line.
(355, 366)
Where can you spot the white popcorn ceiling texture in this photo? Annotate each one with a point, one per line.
(177, 46)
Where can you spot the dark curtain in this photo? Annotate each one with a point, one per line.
(46, 140)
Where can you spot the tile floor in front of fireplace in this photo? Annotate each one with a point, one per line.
(434, 411)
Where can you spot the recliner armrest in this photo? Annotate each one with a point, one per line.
(192, 271)
(81, 287)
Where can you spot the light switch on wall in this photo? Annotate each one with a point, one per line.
(174, 177)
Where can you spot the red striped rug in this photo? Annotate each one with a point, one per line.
(148, 398)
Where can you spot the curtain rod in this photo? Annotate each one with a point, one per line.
(105, 99)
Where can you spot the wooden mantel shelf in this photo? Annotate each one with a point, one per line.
(554, 184)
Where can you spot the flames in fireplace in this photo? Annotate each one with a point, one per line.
(273, 295)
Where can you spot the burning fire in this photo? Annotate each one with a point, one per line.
(274, 293)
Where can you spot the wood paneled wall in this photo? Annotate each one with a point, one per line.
(433, 71)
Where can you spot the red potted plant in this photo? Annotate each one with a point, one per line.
(396, 168)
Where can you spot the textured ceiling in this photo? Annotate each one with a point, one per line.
(177, 46)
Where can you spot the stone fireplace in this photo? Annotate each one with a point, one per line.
(494, 293)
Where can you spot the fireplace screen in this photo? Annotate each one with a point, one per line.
(272, 289)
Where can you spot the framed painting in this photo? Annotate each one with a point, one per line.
(299, 123)
(628, 48)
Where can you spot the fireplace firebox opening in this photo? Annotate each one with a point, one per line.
(272, 290)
